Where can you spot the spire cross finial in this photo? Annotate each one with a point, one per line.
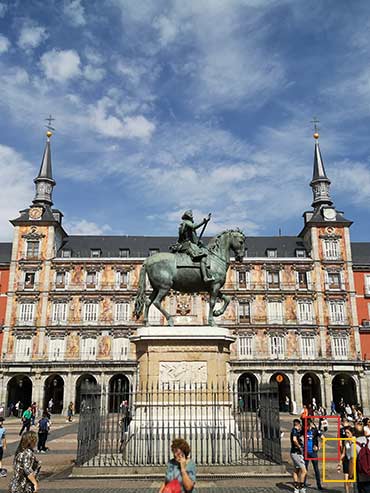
(50, 119)
(315, 122)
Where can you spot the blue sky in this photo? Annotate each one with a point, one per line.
(162, 106)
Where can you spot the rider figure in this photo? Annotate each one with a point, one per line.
(189, 243)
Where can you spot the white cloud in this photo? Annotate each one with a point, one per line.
(17, 188)
(61, 65)
(74, 12)
(84, 227)
(31, 36)
(3, 9)
(4, 44)
(166, 28)
(110, 126)
(353, 178)
(93, 74)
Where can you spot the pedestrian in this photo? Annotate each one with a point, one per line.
(70, 412)
(348, 411)
(314, 405)
(181, 471)
(3, 472)
(34, 412)
(347, 459)
(241, 404)
(312, 447)
(304, 413)
(332, 408)
(44, 427)
(17, 407)
(26, 466)
(363, 470)
(287, 404)
(294, 407)
(50, 405)
(11, 408)
(296, 453)
(26, 420)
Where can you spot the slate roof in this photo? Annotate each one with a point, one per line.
(5, 253)
(361, 253)
(139, 246)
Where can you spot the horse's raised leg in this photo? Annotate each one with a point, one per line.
(157, 303)
(213, 294)
(148, 302)
(226, 300)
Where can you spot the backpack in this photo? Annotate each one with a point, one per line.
(363, 458)
(43, 425)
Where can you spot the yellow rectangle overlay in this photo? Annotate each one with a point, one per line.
(324, 440)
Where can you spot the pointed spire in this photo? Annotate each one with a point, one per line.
(44, 181)
(320, 183)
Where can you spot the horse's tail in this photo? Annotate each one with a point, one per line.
(140, 297)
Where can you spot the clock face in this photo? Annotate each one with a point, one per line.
(330, 214)
(35, 212)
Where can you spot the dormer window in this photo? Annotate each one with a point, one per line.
(300, 253)
(95, 253)
(124, 252)
(66, 253)
(153, 251)
(271, 252)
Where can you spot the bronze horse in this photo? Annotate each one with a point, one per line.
(165, 274)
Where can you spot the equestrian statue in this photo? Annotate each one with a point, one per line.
(191, 267)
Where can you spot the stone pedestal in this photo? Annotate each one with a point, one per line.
(182, 355)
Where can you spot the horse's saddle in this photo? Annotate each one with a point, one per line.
(183, 261)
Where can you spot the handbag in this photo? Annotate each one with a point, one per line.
(173, 486)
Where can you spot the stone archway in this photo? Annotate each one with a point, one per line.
(119, 391)
(284, 390)
(83, 380)
(54, 389)
(247, 392)
(344, 390)
(311, 389)
(19, 390)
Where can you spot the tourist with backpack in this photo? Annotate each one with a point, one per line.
(363, 461)
(44, 426)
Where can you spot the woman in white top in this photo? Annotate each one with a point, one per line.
(347, 459)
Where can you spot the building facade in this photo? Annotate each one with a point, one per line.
(294, 310)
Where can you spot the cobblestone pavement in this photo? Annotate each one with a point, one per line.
(57, 463)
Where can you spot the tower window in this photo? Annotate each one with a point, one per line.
(33, 249)
(29, 280)
(331, 249)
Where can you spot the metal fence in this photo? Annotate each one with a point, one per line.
(224, 425)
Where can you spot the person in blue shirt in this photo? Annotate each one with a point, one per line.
(181, 467)
(3, 472)
(312, 447)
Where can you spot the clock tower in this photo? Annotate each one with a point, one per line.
(326, 234)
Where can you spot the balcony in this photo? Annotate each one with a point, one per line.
(90, 287)
(24, 323)
(366, 323)
(27, 286)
